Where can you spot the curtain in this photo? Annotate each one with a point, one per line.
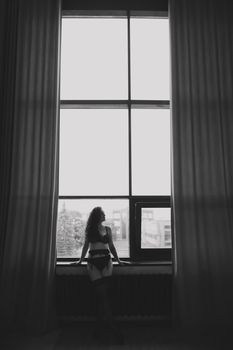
(29, 40)
(8, 40)
(202, 170)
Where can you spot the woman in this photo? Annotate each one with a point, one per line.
(98, 238)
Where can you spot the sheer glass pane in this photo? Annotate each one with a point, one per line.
(94, 58)
(151, 152)
(93, 152)
(156, 228)
(71, 224)
(149, 58)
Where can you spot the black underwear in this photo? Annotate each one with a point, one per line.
(94, 252)
(100, 262)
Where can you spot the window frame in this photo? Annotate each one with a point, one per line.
(151, 254)
(136, 253)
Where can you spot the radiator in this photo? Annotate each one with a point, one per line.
(132, 296)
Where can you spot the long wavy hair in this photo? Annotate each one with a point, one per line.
(93, 221)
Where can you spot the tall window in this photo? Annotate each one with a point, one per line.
(115, 133)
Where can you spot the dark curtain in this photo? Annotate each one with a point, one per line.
(29, 65)
(202, 129)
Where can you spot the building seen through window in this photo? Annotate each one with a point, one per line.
(156, 228)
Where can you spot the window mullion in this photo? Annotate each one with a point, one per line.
(129, 106)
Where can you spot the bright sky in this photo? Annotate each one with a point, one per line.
(86, 205)
(94, 143)
(94, 58)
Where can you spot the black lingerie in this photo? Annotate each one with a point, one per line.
(102, 239)
(94, 252)
(100, 262)
(99, 238)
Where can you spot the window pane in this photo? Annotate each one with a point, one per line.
(156, 228)
(149, 58)
(93, 152)
(151, 152)
(71, 224)
(94, 58)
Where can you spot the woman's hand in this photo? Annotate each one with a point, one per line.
(121, 262)
(78, 262)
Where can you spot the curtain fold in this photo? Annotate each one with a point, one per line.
(202, 129)
(31, 120)
(8, 41)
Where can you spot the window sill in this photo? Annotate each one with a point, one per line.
(134, 268)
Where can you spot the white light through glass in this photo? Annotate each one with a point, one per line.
(149, 58)
(151, 152)
(94, 58)
(72, 220)
(93, 152)
(156, 228)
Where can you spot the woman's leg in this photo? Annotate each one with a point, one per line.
(106, 326)
(93, 272)
(102, 300)
(101, 282)
(102, 306)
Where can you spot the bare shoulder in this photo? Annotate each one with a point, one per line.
(108, 229)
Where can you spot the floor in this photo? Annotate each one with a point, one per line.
(136, 337)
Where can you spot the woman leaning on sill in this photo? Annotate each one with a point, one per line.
(98, 239)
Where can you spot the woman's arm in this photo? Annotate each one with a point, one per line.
(112, 247)
(84, 251)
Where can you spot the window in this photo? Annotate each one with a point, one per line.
(115, 132)
(153, 224)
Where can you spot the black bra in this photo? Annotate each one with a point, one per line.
(103, 239)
